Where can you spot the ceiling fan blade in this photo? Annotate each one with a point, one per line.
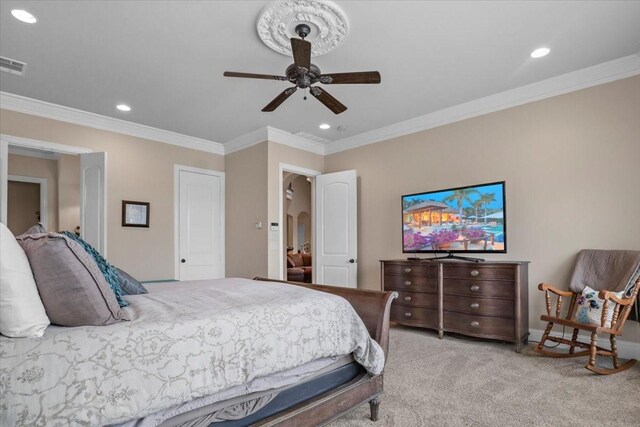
(361, 77)
(329, 101)
(280, 99)
(301, 53)
(254, 76)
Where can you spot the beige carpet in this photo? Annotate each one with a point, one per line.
(460, 382)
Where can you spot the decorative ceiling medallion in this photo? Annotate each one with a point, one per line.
(328, 22)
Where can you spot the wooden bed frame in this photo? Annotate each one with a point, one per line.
(373, 307)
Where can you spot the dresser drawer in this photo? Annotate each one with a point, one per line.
(479, 306)
(417, 299)
(478, 272)
(479, 288)
(485, 326)
(414, 316)
(410, 283)
(412, 270)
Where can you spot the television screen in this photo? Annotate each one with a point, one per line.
(464, 219)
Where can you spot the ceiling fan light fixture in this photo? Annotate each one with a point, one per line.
(325, 126)
(24, 16)
(540, 52)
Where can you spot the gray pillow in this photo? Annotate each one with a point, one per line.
(35, 229)
(128, 284)
(73, 290)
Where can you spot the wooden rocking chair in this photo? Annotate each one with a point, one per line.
(621, 310)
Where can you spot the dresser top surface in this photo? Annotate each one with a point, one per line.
(455, 262)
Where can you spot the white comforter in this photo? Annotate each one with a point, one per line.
(186, 340)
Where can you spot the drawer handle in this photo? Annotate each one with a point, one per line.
(475, 305)
(475, 288)
(407, 270)
(474, 273)
(475, 324)
(407, 283)
(407, 314)
(407, 298)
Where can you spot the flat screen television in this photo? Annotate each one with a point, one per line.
(468, 219)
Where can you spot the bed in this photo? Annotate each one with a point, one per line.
(225, 352)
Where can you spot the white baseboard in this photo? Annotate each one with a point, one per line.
(626, 349)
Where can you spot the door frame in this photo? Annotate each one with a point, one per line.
(43, 194)
(16, 141)
(176, 214)
(282, 168)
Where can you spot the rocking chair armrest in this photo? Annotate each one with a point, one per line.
(547, 297)
(547, 287)
(611, 296)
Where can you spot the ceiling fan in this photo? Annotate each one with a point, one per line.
(302, 73)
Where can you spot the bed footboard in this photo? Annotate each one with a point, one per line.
(374, 308)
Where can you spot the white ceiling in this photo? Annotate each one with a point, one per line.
(166, 59)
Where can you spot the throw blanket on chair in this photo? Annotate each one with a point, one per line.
(606, 270)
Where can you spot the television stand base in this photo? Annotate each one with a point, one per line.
(452, 256)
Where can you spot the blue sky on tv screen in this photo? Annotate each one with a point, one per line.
(440, 196)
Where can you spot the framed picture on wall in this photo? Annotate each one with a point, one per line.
(135, 214)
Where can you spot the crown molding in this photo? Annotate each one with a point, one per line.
(247, 140)
(48, 110)
(296, 141)
(581, 79)
(278, 136)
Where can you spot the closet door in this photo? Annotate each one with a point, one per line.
(336, 252)
(200, 225)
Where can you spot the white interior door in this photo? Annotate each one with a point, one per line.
(200, 225)
(93, 200)
(336, 226)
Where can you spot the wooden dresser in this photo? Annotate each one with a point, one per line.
(485, 300)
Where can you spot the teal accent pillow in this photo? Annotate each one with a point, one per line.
(108, 271)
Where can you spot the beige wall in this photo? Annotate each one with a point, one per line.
(39, 168)
(278, 154)
(246, 204)
(138, 169)
(571, 165)
(570, 162)
(23, 201)
(253, 184)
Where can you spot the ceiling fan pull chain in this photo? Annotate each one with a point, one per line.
(305, 94)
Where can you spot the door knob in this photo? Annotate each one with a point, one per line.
(183, 260)
(352, 260)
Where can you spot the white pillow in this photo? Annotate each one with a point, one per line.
(21, 311)
(590, 308)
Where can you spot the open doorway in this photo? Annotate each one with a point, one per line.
(297, 227)
(24, 205)
(75, 181)
(42, 188)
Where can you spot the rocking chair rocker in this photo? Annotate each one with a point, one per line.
(621, 272)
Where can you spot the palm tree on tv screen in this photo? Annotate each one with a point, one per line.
(460, 196)
(477, 205)
(486, 198)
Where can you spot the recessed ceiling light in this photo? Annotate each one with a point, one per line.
(325, 126)
(24, 16)
(540, 52)
(123, 107)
